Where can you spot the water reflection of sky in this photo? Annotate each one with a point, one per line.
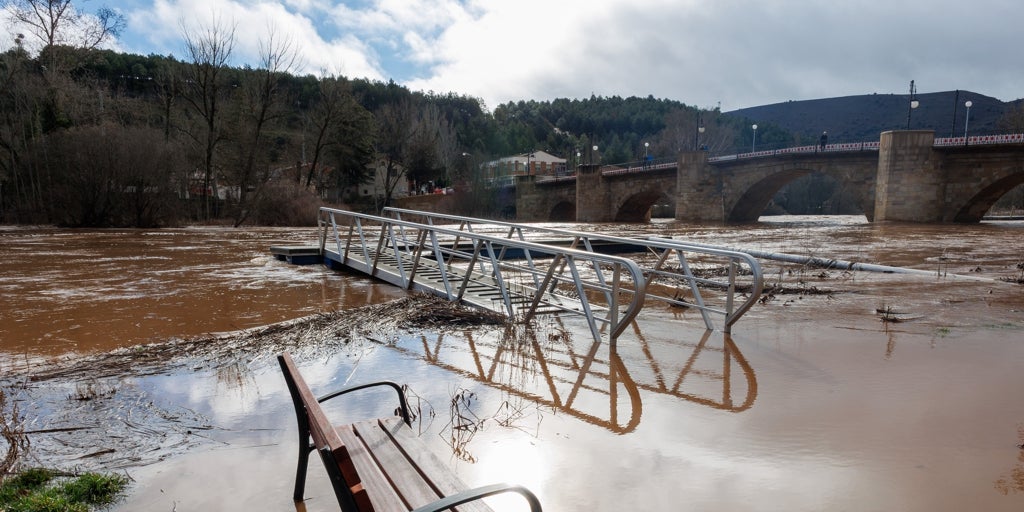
(830, 423)
(833, 423)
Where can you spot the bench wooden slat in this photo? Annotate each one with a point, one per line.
(381, 494)
(429, 465)
(406, 479)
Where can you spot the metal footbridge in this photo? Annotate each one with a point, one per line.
(525, 271)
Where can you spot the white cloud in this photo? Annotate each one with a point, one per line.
(730, 51)
(162, 25)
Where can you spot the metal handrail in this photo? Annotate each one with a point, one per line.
(663, 251)
(404, 251)
(736, 259)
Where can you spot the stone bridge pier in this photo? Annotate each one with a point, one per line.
(593, 197)
(921, 182)
(700, 189)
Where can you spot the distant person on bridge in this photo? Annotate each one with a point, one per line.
(824, 140)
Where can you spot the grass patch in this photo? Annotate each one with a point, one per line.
(43, 490)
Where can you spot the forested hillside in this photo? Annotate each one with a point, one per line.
(89, 136)
(93, 137)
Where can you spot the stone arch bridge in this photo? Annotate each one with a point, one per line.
(907, 176)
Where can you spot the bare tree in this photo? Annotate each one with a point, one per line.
(415, 141)
(59, 22)
(17, 185)
(205, 87)
(396, 129)
(262, 97)
(431, 147)
(325, 111)
(345, 134)
(167, 86)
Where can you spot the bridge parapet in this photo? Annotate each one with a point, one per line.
(977, 140)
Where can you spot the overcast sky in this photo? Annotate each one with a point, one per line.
(728, 53)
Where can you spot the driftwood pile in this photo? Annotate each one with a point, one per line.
(308, 335)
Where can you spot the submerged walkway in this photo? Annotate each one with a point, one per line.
(506, 268)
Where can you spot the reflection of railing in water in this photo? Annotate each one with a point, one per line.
(742, 271)
(430, 259)
(596, 384)
(730, 354)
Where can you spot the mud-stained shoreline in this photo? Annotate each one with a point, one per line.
(304, 336)
(90, 413)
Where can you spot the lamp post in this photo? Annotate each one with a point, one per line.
(578, 161)
(967, 119)
(753, 144)
(913, 102)
(646, 153)
(465, 171)
(697, 132)
(592, 153)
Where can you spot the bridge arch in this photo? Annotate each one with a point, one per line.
(564, 211)
(637, 207)
(980, 203)
(755, 198)
(754, 191)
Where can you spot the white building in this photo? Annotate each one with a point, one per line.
(537, 163)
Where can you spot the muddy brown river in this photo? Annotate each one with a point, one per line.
(815, 402)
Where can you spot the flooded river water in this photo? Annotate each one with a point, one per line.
(813, 403)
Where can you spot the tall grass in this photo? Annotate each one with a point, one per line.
(44, 490)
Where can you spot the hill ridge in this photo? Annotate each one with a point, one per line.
(865, 116)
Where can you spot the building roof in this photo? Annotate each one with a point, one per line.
(535, 156)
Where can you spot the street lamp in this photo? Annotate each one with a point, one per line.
(578, 155)
(967, 119)
(593, 153)
(913, 102)
(696, 134)
(753, 144)
(466, 168)
(646, 153)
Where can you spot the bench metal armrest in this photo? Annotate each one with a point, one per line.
(403, 406)
(478, 493)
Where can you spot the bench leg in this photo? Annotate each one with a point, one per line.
(300, 471)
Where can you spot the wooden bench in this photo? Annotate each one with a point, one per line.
(379, 464)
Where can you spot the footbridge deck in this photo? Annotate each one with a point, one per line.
(481, 270)
(714, 280)
(524, 271)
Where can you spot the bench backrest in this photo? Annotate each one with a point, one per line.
(344, 477)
